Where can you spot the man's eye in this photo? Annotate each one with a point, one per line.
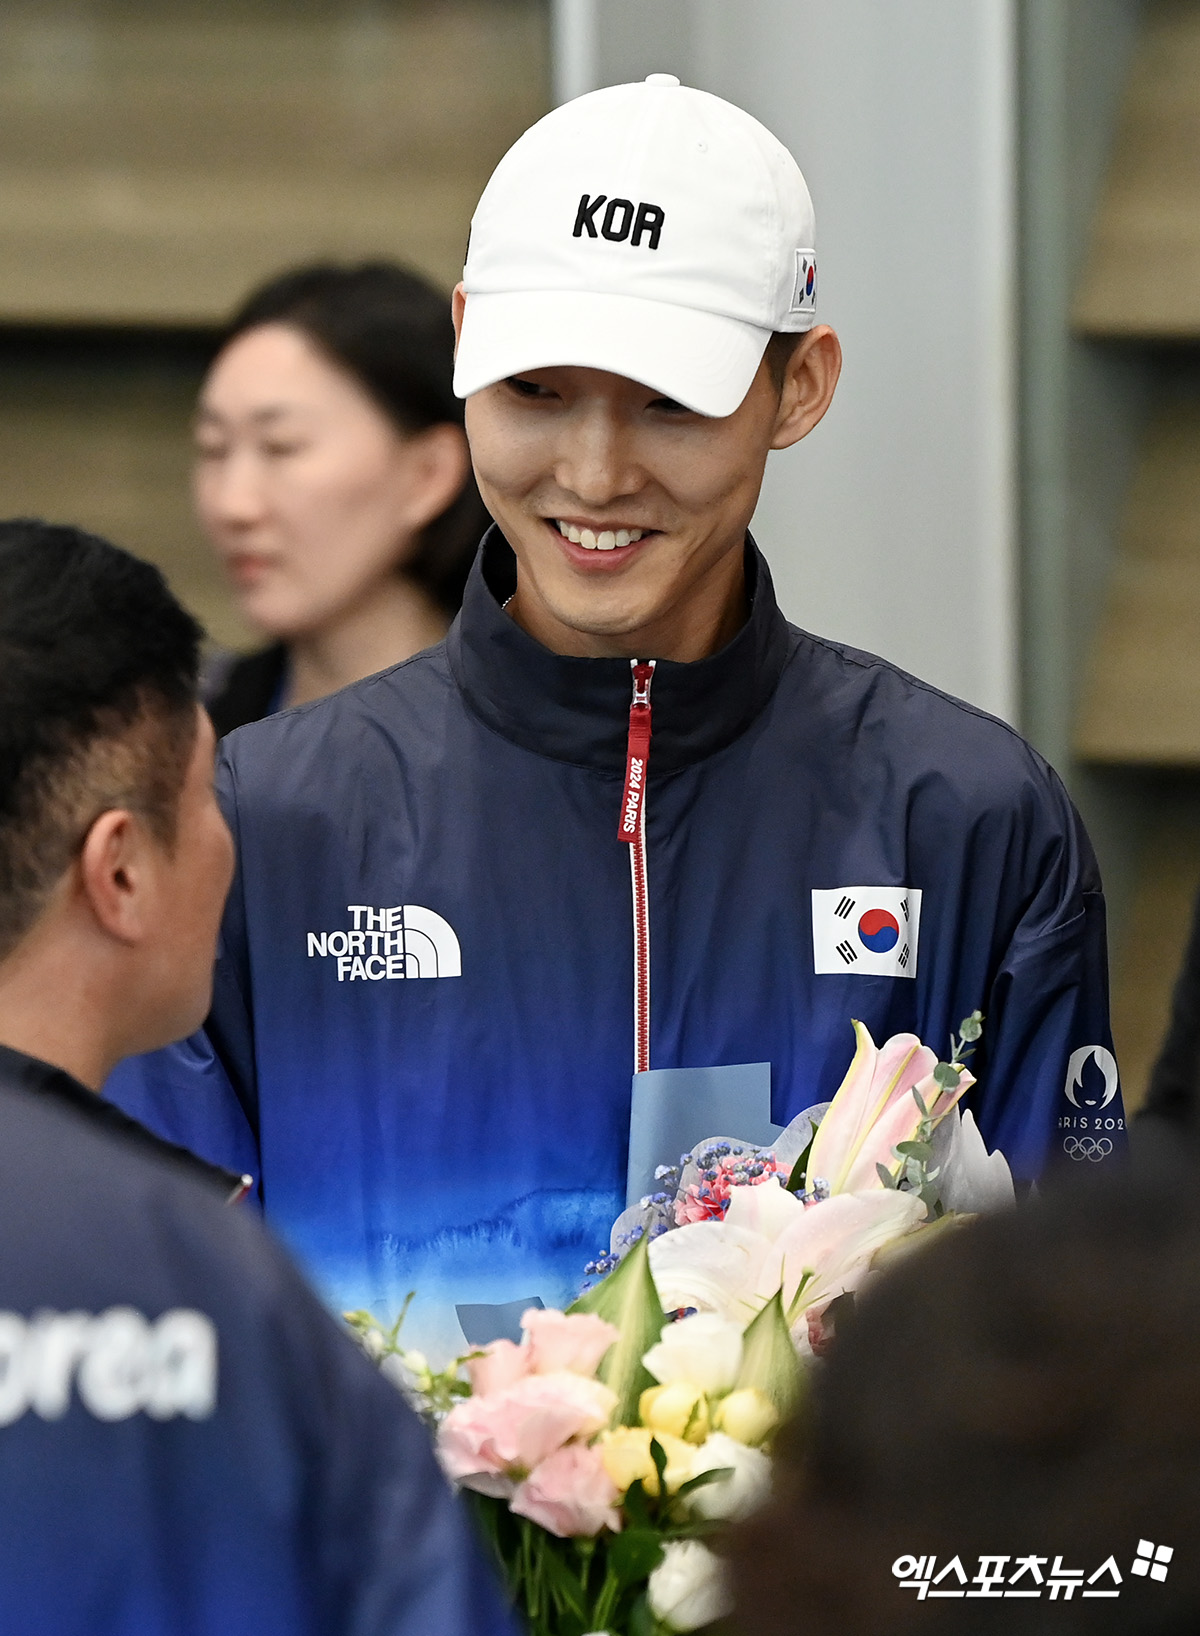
(280, 450)
(527, 389)
(211, 451)
(669, 406)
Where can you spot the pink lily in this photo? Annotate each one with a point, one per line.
(874, 1110)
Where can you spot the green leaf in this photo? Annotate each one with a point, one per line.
(947, 1076)
(769, 1361)
(641, 1621)
(634, 1555)
(659, 1455)
(971, 1028)
(563, 1584)
(914, 1150)
(627, 1298)
(885, 1176)
(636, 1504)
(795, 1181)
(718, 1474)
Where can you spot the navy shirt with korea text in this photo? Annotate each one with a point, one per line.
(188, 1446)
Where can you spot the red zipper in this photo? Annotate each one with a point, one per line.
(632, 830)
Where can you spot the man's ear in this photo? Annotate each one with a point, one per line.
(458, 305)
(808, 386)
(117, 874)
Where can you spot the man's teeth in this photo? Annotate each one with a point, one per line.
(609, 540)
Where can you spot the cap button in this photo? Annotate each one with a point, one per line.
(662, 79)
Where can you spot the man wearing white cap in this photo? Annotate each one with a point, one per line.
(613, 868)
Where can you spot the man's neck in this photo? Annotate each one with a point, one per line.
(50, 1011)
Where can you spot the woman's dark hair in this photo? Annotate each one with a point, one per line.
(391, 330)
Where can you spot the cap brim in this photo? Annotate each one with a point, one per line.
(700, 359)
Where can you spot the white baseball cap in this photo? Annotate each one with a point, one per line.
(650, 230)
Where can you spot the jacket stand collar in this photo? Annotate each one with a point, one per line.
(577, 710)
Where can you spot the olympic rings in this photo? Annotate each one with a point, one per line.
(1087, 1147)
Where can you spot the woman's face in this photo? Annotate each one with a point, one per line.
(308, 491)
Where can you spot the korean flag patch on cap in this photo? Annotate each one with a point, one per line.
(869, 930)
(804, 290)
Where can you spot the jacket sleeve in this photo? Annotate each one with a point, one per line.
(1048, 1086)
(202, 1092)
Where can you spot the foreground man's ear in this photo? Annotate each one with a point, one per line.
(808, 386)
(115, 872)
(458, 305)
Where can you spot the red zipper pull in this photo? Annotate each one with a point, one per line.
(637, 756)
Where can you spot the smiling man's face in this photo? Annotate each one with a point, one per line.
(626, 511)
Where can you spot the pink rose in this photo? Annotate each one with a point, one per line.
(512, 1431)
(569, 1494)
(501, 1364)
(575, 1342)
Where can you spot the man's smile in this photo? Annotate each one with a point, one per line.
(595, 547)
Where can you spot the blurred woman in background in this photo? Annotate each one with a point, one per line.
(333, 478)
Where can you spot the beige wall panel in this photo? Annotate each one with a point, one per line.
(1142, 273)
(158, 158)
(1141, 699)
(112, 454)
(1151, 951)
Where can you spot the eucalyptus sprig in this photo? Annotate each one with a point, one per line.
(431, 1392)
(918, 1174)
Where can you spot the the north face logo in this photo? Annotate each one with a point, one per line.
(403, 941)
(622, 220)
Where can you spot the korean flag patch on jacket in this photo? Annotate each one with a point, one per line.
(870, 930)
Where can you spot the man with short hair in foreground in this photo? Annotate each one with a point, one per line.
(187, 1443)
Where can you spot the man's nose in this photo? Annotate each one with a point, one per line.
(597, 462)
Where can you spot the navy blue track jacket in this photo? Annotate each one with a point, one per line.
(188, 1446)
(424, 1026)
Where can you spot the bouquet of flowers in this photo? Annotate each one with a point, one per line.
(606, 1449)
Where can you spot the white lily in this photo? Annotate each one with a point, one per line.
(767, 1209)
(822, 1250)
(829, 1248)
(709, 1266)
(969, 1178)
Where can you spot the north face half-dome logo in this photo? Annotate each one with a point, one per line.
(399, 942)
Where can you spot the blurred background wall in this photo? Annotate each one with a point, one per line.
(159, 157)
(1006, 495)
(892, 527)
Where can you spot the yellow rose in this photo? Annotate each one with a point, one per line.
(679, 1409)
(626, 1455)
(747, 1415)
